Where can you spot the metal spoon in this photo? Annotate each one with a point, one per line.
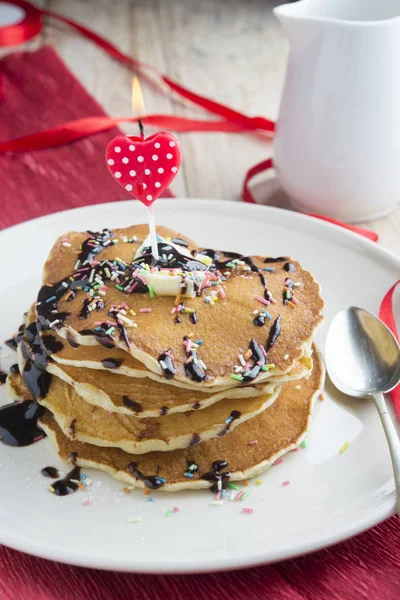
(363, 358)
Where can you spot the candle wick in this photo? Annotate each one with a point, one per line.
(141, 128)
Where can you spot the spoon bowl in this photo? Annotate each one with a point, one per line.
(362, 354)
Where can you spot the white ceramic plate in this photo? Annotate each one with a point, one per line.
(331, 496)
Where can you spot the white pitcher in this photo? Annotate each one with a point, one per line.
(337, 147)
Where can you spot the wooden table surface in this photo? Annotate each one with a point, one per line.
(231, 50)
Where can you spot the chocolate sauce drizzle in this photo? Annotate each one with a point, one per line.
(51, 343)
(136, 406)
(112, 363)
(50, 472)
(235, 414)
(259, 361)
(194, 367)
(153, 482)
(179, 242)
(275, 260)
(193, 318)
(169, 257)
(81, 279)
(195, 440)
(68, 484)
(166, 363)
(19, 423)
(123, 334)
(100, 335)
(94, 244)
(289, 267)
(274, 333)
(219, 479)
(3, 376)
(259, 320)
(36, 380)
(71, 340)
(11, 343)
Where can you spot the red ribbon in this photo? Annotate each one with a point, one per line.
(267, 165)
(31, 25)
(26, 29)
(233, 122)
(81, 128)
(386, 314)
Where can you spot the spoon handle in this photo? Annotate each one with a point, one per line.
(393, 441)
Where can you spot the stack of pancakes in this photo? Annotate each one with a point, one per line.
(182, 372)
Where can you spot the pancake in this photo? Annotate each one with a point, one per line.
(277, 430)
(224, 324)
(125, 395)
(81, 421)
(134, 396)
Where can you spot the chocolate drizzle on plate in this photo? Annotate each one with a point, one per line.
(3, 377)
(19, 423)
(68, 484)
(50, 472)
(153, 482)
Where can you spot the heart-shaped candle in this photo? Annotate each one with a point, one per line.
(145, 167)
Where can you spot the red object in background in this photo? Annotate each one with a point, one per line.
(365, 567)
(144, 167)
(386, 314)
(35, 88)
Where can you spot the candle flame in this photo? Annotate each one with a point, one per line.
(137, 98)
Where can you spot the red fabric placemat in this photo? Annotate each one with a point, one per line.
(39, 92)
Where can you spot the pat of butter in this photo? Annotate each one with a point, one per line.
(170, 285)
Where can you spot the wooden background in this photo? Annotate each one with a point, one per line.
(231, 50)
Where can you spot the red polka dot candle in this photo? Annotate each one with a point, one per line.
(145, 167)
